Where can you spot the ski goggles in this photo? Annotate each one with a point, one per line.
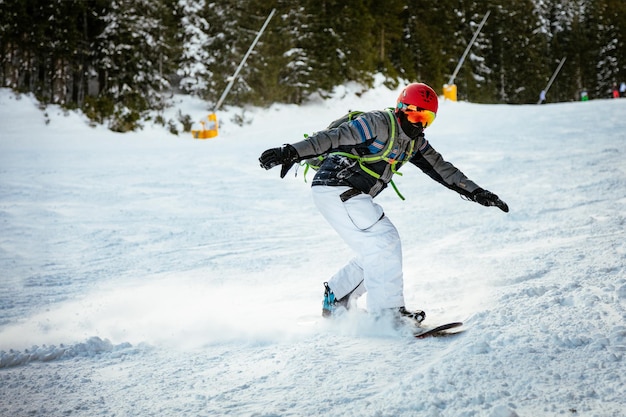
(417, 115)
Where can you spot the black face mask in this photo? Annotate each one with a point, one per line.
(412, 130)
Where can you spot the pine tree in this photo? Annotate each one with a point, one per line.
(294, 28)
(341, 43)
(431, 43)
(474, 77)
(388, 27)
(227, 46)
(518, 52)
(133, 60)
(195, 61)
(260, 77)
(14, 44)
(608, 18)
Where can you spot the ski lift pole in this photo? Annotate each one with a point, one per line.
(243, 62)
(556, 72)
(469, 45)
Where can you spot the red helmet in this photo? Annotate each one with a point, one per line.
(419, 103)
(419, 95)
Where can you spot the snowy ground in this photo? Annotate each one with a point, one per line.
(152, 275)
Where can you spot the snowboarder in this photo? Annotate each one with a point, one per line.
(361, 156)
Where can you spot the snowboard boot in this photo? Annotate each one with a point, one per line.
(417, 316)
(330, 303)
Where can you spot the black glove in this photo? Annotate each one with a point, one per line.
(487, 198)
(286, 156)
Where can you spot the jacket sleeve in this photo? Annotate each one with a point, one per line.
(359, 132)
(432, 163)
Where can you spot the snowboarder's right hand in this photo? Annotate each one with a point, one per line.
(286, 156)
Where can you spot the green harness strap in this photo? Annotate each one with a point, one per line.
(362, 160)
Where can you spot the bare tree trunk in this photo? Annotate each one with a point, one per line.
(382, 45)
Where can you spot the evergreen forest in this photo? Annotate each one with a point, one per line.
(119, 60)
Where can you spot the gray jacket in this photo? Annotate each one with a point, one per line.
(368, 135)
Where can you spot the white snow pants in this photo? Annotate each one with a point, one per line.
(377, 267)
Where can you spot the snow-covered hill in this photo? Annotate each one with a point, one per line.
(151, 275)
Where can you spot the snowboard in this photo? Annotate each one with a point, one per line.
(439, 331)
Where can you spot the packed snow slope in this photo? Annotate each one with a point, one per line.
(146, 274)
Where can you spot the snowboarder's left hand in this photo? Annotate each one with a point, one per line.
(286, 156)
(487, 198)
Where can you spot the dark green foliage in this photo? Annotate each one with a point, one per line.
(118, 60)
